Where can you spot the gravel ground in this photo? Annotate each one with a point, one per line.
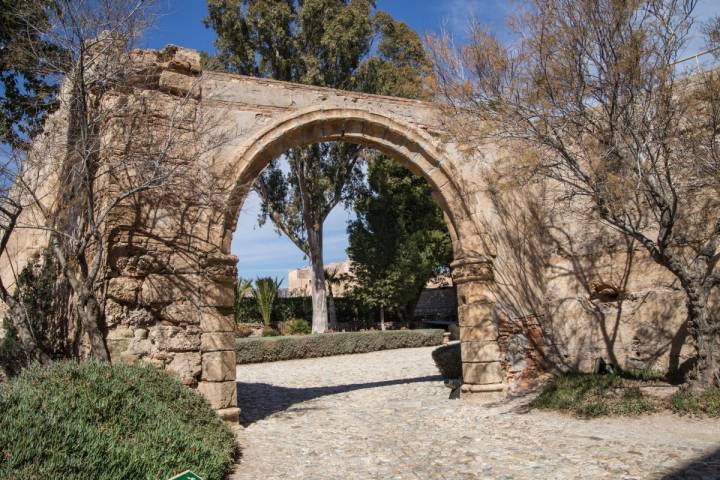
(387, 415)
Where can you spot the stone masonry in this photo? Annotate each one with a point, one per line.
(169, 274)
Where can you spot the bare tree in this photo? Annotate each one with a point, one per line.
(109, 157)
(593, 88)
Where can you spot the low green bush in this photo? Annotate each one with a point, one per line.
(256, 350)
(270, 332)
(448, 361)
(93, 420)
(594, 395)
(297, 326)
(697, 403)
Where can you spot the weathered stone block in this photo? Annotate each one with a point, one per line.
(483, 373)
(186, 366)
(120, 332)
(140, 347)
(173, 339)
(185, 59)
(230, 415)
(484, 332)
(181, 313)
(219, 395)
(210, 342)
(139, 317)
(480, 352)
(218, 366)
(179, 84)
(475, 292)
(214, 321)
(475, 314)
(195, 289)
(124, 289)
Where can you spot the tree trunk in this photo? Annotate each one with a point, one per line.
(25, 334)
(318, 288)
(382, 318)
(706, 335)
(89, 313)
(332, 313)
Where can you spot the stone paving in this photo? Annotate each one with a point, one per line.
(387, 415)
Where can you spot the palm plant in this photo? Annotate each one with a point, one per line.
(243, 288)
(265, 293)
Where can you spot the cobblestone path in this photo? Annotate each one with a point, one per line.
(387, 415)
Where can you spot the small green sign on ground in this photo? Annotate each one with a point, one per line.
(186, 475)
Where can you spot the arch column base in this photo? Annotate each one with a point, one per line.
(493, 392)
(230, 415)
(484, 372)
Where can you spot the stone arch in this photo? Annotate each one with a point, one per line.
(472, 270)
(409, 146)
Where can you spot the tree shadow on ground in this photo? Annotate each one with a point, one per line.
(260, 400)
(706, 467)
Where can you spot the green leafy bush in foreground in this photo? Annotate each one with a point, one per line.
(448, 361)
(272, 349)
(92, 420)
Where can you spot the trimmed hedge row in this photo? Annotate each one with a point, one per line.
(272, 349)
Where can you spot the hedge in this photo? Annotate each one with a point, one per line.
(287, 308)
(92, 420)
(272, 349)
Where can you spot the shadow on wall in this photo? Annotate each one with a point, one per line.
(706, 467)
(593, 293)
(260, 400)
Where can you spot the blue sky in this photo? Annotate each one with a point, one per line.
(261, 251)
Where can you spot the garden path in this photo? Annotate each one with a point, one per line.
(387, 415)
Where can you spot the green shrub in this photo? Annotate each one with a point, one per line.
(243, 330)
(35, 298)
(297, 326)
(447, 359)
(256, 350)
(701, 403)
(349, 310)
(593, 395)
(270, 332)
(93, 420)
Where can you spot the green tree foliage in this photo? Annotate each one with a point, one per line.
(29, 64)
(34, 304)
(399, 240)
(318, 42)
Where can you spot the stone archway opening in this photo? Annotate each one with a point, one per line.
(436, 305)
(472, 274)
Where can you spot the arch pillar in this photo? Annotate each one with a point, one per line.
(483, 371)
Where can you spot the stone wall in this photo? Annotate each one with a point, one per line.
(169, 274)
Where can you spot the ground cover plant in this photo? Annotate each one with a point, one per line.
(595, 395)
(95, 420)
(272, 349)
